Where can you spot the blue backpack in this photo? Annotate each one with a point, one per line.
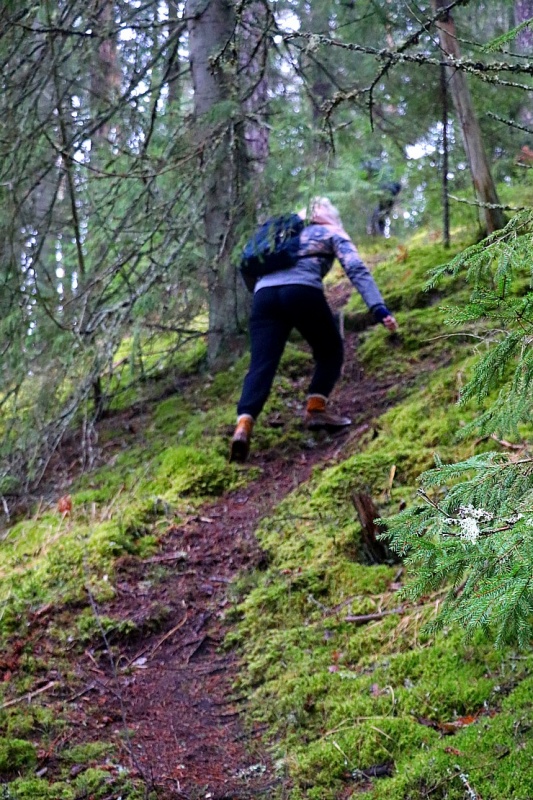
(273, 246)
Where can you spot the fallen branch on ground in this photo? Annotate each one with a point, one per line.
(361, 619)
(158, 645)
(30, 695)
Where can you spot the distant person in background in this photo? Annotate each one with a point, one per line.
(294, 298)
(389, 191)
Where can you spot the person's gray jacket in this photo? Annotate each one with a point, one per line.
(319, 246)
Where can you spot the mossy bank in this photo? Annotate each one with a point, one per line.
(356, 695)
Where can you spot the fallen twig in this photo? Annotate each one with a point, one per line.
(471, 792)
(376, 771)
(158, 645)
(94, 661)
(319, 605)
(361, 619)
(30, 695)
(193, 652)
(82, 693)
(179, 555)
(509, 445)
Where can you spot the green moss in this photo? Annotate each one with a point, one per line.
(92, 783)
(225, 386)
(38, 789)
(186, 471)
(91, 628)
(19, 723)
(86, 753)
(189, 358)
(172, 415)
(402, 278)
(16, 756)
(339, 698)
(296, 361)
(423, 341)
(495, 754)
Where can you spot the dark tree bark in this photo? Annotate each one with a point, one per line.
(175, 28)
(253, 65)
(105, 76)
(523, 11)
(320, 84)
(373, 550)
(445, 194)
(211, 26)
(469, 126)
(105, 87)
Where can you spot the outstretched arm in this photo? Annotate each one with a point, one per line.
(362, 280)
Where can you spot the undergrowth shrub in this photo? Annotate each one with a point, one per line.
(474, 530)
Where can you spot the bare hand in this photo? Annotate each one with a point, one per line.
(390, 323)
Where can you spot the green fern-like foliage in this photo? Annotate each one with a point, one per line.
(507, 38)
(473, 530)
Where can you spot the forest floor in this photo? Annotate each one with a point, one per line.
(168, 700)
(121, 600)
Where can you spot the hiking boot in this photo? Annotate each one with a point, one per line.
(318, 417)
(240, 442)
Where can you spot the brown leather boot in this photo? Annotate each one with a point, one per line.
(240, 442)
(317, 416)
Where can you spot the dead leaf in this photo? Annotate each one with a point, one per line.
(64, 505)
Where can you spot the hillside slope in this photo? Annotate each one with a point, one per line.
(181, 627)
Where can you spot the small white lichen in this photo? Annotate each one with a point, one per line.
(475, 513)
(469, 529)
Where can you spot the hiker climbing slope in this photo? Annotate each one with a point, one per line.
(294, 298)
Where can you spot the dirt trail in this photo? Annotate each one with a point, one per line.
(176, 696)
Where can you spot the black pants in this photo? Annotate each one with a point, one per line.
(276, 311)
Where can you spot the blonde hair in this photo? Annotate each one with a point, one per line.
(323, 212)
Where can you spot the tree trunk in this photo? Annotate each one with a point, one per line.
(41, 211)
(211, 26)
(175, 26)
(105, 87)
(469, 125)
(253, 62)
(523, 10)
(445, 193)
(318, 20)
(105, 75)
